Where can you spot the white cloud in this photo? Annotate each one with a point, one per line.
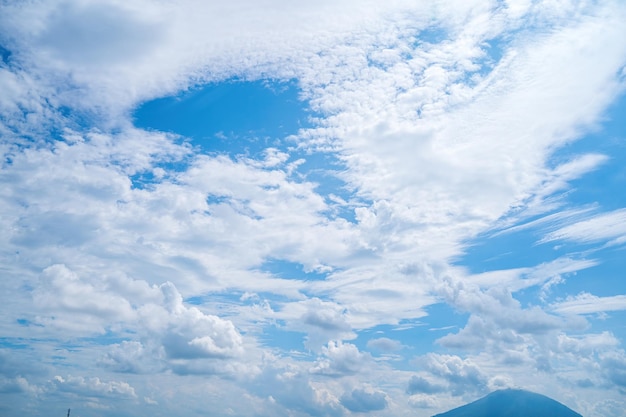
(614, 367)
(172, 330)
(154, 48)
(462, 375)
(585, 303)
(423, 401)
(187, 333)
(15, 385)
(341, 359)
(132, 357)
(610, 227)
(420, 384)
(93, 387)
(363, 400)
(587, 344)
(63, 296)
(292, 389)
(323, 321)
(497, 307)
(545, 275)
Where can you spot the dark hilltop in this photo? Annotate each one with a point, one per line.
(512, 403)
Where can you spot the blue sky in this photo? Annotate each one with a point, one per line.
(311, 209)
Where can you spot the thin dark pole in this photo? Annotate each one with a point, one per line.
(68, 412)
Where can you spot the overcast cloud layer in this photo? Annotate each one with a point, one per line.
(449, 220)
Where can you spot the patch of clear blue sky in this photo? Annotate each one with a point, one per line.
(233, 117)
(432, 35)
(27, 323)
(14, 343)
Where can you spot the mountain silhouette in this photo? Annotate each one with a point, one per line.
(512, 403)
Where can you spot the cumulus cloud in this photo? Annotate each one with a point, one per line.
(14, 385)
(183, 332)
(93, 387)
(192, 334)
(461, 375)
(339, 359)
(496, 308)
(384, 344)
(614, 367)
(419, 384)
(423, 401)
(363, 400)
(172, 330)
(64, 295)
(177, 337)
(323, 321)
(291, 388)
(588, 344)
(132, 357)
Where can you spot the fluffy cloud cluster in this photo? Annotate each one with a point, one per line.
(172, 334)
(92, 387)
(361, 400)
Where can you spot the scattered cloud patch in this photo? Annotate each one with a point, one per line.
(421, 385)
(585, 303)
(462, 375)
(93, 387)
(341, 359)
(384, 344)
(363, 401)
